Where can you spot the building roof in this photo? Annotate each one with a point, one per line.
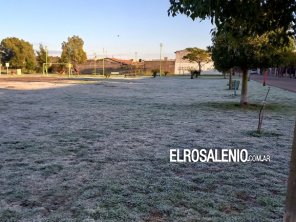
(121, 61)
(126, 62)
(183, 50)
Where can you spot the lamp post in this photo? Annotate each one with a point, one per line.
(103, 62)
(95, 64)
(104, 54)
(46, 54)
(160, 58)
(69, 61)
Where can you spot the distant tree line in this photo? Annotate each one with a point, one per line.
(21, 55)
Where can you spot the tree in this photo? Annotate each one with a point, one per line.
(243, 23)
(253, 16)
(258, 51)
(18, 53)
(72, 51)
(197, 55)
(290, 212)
(42, 57)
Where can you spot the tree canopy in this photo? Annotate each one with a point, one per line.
(72, 50)
(197, 55)
(253, 31)
(252, 16)
(18, 53)
(41, 56)
(258, 51)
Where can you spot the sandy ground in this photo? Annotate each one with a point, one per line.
(36, 82)
(99, 151)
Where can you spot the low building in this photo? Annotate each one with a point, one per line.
(167, 65)
(106, 65)
(183, 66)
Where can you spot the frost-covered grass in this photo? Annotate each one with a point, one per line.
(100, 152)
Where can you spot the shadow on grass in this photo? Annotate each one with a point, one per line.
(254, 133)
(274, 107)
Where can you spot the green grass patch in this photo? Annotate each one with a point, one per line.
(9, 216)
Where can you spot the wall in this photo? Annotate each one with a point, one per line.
(183, 67)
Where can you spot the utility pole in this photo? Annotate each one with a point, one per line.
(95, 64)
(46, 54)
(103, 62)
(69, 61)
(160, 58)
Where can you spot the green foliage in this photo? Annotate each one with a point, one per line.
(253, 51)
(41, 56)
(72, 51)
(18, 53)
(250, 16)
(197, 55)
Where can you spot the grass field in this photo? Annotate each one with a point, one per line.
(98, 150)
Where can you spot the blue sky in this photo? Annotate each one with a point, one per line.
(121, 27)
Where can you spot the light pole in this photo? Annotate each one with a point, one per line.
(46, 54)
(104, 54)
(160, 59)
(95, 63)
(69, 61)
(103, 62)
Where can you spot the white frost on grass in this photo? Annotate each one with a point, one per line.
(100, 152)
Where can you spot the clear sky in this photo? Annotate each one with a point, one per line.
(121, 27)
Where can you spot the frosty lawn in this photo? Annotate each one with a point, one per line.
(100, 152)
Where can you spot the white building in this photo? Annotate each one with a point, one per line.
(183, 66)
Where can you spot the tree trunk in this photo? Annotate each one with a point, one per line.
(199, 69)
(290, 212)
(244, 92)
(230, 79)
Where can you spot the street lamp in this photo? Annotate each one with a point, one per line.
(160, 58)
(95, 64)
(46, 54)
(69, 61)
(104, 51)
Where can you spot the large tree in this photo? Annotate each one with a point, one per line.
(243, 22)
(197, 55)
(18, 53)
(72, 51)
(254, 16)
(42, 57)
(261, 51)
